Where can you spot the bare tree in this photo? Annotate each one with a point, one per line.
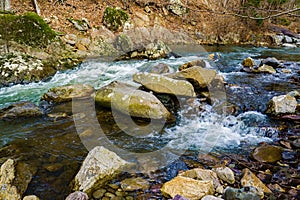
(5, 6)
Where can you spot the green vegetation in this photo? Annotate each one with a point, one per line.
(28, 29)
(114, 18)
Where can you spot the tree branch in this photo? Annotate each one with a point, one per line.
(36, 7)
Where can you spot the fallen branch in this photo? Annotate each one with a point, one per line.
(36, 7)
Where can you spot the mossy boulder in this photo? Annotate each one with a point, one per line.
(114, 18)
(29, 29)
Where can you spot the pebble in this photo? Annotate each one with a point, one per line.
(110, 195)
(99, 193)
(267, 153)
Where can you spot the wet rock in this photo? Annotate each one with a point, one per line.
(246, 193)
(67, 93)
(283, 104)
(265, 69)
(289, 45)
(249, 62)
(151, 51)
(163, 84)
(53, 167)
(132, 184)
(267, 153)
(198, 76)
(296, 143)
(187, 187)
(211, 197)
(77, 196)
(177, 7)
(208, 160)
(99, 193)
(204, 175)
(21, 109)
(225, 174)
(100, 166)
(161, 68)
(14, 179)
(273, 62)
(249, 179)
(114, 18)
(31, 197)
(129, 100)
(178, 197)
(200, 63)
(289, 155)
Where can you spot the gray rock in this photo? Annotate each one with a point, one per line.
(81, 25)
(246, 193)
(67, 93)
(160, 68)
(128, 100)
(287, 39)
(100, 166)
(124, 43)
(211, 197)
(277, 39)
(225, 174)
(21, 109)
(273, 62)
(162, 84)
(283, 104)
(289, 45)
(177, 7)
(77, 196)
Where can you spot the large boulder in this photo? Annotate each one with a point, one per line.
(193, 63)
(283, 104)
(128, 100)
(100, 166)
(151, 51)
(14, 179)
(198, 76)
(21, 109)
(163, 84)
(67, 93)
(187, 187)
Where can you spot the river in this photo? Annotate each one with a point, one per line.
(46, 143)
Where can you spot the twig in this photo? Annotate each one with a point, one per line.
(36, 7)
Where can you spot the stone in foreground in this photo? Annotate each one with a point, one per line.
(100, 166)
(246, 193)
(225, 174)
(267, 153)
(187, 187)
(21, 109)
(163, 84)
(67, 93)
(131, 101)
(283, 104)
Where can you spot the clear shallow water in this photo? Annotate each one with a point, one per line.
(44, 141)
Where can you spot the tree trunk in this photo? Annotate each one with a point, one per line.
(5, 5)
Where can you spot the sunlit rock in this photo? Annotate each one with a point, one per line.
(283, 104)
(132, 184)
(100, 166)
(163, 84)
(248, 62)
(225, 174)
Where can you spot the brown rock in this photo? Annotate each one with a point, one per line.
(267, 153)
(193, 63)
(188, 188)
(132, 184)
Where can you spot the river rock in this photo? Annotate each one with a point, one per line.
(288, 45)
(31, 197)
(151, 51)
(225, 174)
(127, 99)
(100, 166)
(265, 69)
(77, 196)
(67, 93)
(249, 179)
(283, 104)
(287, 39)
(248, 62)
(161, 68)
(267, 153)
(211, 197)
(198, 76)
(132, 184)
(193, 63)
(187, 187)
(273, 62)
(177, 7)
(246, 193)
(178, 197)
(204, 175)
(21, 109)
(163, 84)
(14, 179)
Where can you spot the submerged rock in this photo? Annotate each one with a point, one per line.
(187, 187)
(100, 166)
(163, 84)
(273, 62)
(246, 193)
(67, 93)
(14, 179)
(129, 100)
(198, 76)
(132, 184)
(151, 51)
(249, 179)
(21, 109)
(267, 153)
(161, 68)
(283, 104)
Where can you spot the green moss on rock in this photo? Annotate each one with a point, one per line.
(28, 29)
(114, 18)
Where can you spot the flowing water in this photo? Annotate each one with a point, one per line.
(47, 144)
